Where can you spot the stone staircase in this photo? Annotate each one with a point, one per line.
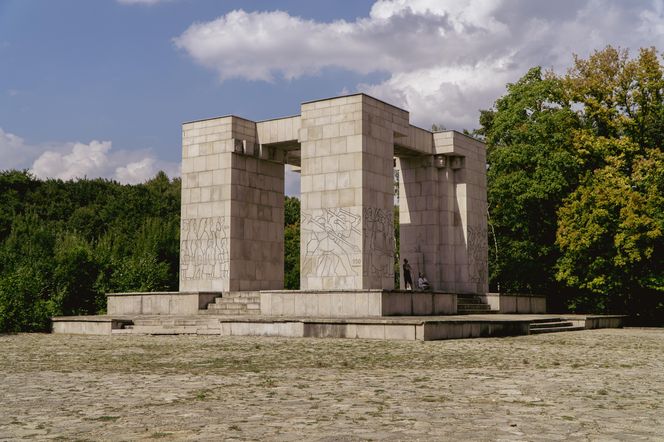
(472, 305)
(235, 304)
(554, 325)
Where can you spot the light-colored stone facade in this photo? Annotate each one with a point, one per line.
(233, 189)
(231, 235)
(443, 213)
(347, 235)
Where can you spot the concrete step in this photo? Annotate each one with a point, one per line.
(538, 331)
(237, 299)
(237, 312)
(222, 312)
(235, 304)
(227, 306)
(229, 311)
(473, 307)
(469, 300)
(546, 320)
(552, 324)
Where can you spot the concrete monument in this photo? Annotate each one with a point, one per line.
(233, 194)
(346, 149)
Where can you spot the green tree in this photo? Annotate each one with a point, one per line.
(575, 187)
(611, 233)
(291, 243)
(63, 245)
(531, 170)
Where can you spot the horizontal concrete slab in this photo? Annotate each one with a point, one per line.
(158, 303)
(423, 328)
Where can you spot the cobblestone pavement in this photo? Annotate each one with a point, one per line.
(589, 385)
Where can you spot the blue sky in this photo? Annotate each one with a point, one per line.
(100, 87)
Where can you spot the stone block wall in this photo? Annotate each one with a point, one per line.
(467, 161)
(421, 233)
(231, 235)
(443, 214)
(257, 224)
(347, 149)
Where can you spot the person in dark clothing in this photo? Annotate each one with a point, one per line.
(407, 279)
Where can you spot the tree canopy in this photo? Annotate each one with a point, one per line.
(575, 184)
(63, 245)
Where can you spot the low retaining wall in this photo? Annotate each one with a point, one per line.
(85, 325)
(388, 329)
(609, 321)
(434, 331)
(349, 304)
(158, 303)
(516, 303)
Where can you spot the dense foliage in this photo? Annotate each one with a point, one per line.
(63, 245)
(576, 188)
(291, 243)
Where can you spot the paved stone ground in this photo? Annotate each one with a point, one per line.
(590, 385)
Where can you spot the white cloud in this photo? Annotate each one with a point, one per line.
(97, 159)
(83, 160)
(137, 171)
(445, 59)
(14, 152)
(79, 160)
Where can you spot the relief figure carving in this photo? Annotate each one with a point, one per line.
(378, 242)
(204, 249)
(477, 253)
(330, 238)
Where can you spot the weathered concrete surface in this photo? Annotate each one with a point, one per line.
(159, 303)
(355, 303)
(590, 385)
(516, 303)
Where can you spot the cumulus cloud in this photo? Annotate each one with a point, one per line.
(14, 152)
(97, 159)
(444, 59)
(80, 160)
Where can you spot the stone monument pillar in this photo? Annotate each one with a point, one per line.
(232, 218)
(443, 214)
(347, 190)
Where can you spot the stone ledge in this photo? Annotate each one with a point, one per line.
(159, 303)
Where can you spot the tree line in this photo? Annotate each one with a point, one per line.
(575, 191)
(576, 185)
(63, 245)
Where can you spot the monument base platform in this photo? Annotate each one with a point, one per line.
(309, 303)
(422, 328)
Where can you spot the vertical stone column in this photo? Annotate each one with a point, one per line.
(231, 234)
(421, 217)
(443, 214)
(347, 148)
(466, 169)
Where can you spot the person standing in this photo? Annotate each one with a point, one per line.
(407, 278)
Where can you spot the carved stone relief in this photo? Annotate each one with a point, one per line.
(204, 248)
(477, 254)
(378, 242)
(331, 239)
